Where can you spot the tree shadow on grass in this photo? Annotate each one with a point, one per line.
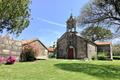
(106, 72)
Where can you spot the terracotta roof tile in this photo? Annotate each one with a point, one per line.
(27, 41)
(103, 43)
(50, 49)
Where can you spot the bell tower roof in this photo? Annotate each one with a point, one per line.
(71, 19)
(71, 24)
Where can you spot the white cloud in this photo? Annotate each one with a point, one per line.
(51, 22)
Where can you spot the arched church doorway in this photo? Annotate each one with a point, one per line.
(70, 52)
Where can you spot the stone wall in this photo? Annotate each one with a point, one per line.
(81, 48)
(92, 51)
(62, 48)
(10, 47)
(40, 51)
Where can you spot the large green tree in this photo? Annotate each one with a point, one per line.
(104, 13)
(14, 15)
(96, 33)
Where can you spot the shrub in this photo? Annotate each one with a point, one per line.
(2, 59)
(116, 57)
(10, 60)
(28, 54)
(102, 56)
(52, 55)
(94, 58)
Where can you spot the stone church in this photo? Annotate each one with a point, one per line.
(72, 46)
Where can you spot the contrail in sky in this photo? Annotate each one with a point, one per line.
(52, 22)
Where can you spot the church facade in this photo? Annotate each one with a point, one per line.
(72, 46)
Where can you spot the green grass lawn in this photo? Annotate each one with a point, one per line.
(61, 70)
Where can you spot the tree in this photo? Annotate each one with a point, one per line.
(96, 33)
(116, 49)
(14, 15)
(104, 13)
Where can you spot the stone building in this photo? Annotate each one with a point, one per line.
(72, 46)
(12, 47)
(9, 47)
(41, 51)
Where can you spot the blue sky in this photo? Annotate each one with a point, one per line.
(49, 17)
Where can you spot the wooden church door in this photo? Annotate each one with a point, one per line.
(70, 53)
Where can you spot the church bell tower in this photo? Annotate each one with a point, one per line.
(71, 24)
(71, 37)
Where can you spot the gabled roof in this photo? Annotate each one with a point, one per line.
(63, 36)
(26, 42)
(85, 39)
